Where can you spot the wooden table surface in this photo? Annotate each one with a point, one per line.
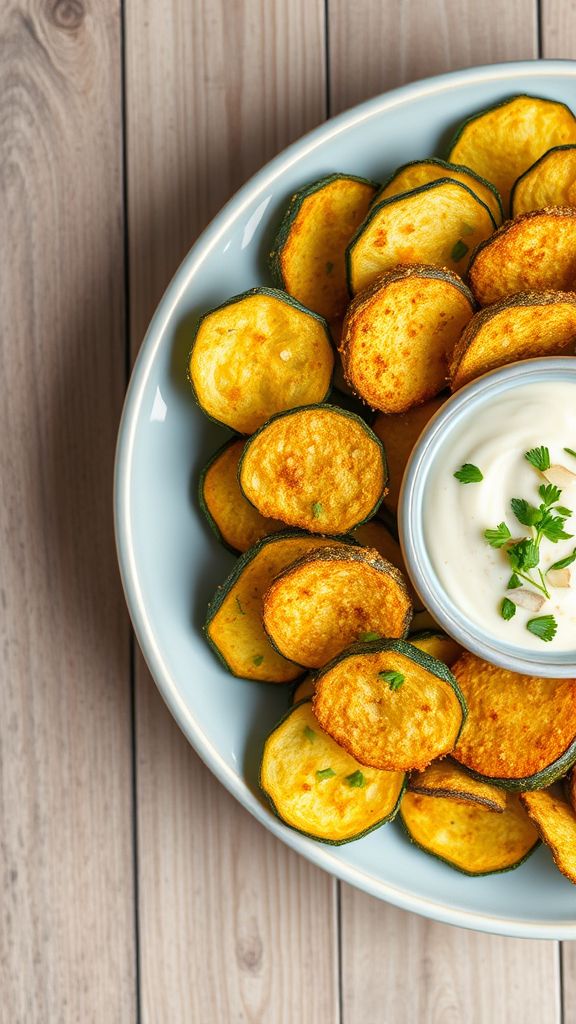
(132, 886)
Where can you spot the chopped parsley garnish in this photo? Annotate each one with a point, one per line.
(514, 582)
(525, 513)
(539, 458)
(563, 563)
(498, 537)
(365, 637)
(394, 679)
(325, 773)
(356, 779)
(317, 509)
(570, 452)
(309, 733)
(258, 659)
(507, 609)
(469, 474)
(543, 627)
(459, 250)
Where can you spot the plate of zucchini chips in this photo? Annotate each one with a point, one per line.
(387, 259)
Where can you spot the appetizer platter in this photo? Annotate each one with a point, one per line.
(310, 675)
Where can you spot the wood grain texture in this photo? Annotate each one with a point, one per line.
(375, 46)
(67, 919)
(462, 975)
(234, 926)
(558, 28)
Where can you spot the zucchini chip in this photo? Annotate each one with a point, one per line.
(390, 705)
(521, 731)
(536, 252)
(375, 534)
(236, 523)
(439, 223)
(304, 689)
(420, 172)
(321, 468)
(330, 598)
(317, 788)
(551, 181)
(400, 333)
(257, 354)
(399, 434)
(470, 838)
(438, 645)
(446, 779)
(521, 326)
(234, 627)
(500, 143)
(308, 255)
(555, 821)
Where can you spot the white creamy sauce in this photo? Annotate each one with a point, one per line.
(475, 575)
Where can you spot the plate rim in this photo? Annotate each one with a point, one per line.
(319, 854)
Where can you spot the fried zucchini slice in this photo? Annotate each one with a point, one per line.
(446, 779)
(439, 223)
(570, 786)
(521, 730)
(555, 821)
(470, 838)
(399, 335)
(536, 252)
(257, 354)
(308, 255)
(234, 627)
(236, 523)
(420, 172)
(390, 705)
(438, 645)
(500, 143)
(304, 689)
(521, 326)
(399, 434)
(321, 468)
(319, 789)
(375, 534)
(330, 598)
(551, 181)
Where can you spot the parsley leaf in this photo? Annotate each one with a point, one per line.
(539, 458)
(552, 527)
(317, 509)
(563, 511)
(309, 733)
(394, 679)
(325, 773)
(549, 493)
(563, 563)
(507, 609)
(469, 474)
(498, 537)
(570, 452)
(524, 555)
(543, 627)
(525, 513)
(513, 582)
(459, 250)
(356, 779)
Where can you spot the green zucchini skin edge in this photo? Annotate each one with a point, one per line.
(540, 160)
(292, 211)
(540, 780)
(200, 493)
(470, 874)
(357, 554)
(420, 658)
(447, 166)
(222, 591)
(496, 106)
(331, 408)
(401, 197)
(309, 835)
(274, 293)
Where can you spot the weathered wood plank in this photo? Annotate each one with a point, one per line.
(66, 860)
(234, 927)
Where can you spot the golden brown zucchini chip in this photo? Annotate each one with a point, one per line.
(390, 705)
(321, 468)
(400, 333)
(420, 172)
(330, 598)
(500, 143)
(438, 645)
(317, 788)
(521, 326)
(533, 253)
(375, 534)
(399, 434)
(521, 730)
(308, 255)
(470, 838)
(234, 627)
(555, 821)
(439, 223)
(446, 779)
(236, 523)
(304, 689)
(551, 181)
(257, 354)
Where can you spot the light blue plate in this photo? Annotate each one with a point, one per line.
(170, 563)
